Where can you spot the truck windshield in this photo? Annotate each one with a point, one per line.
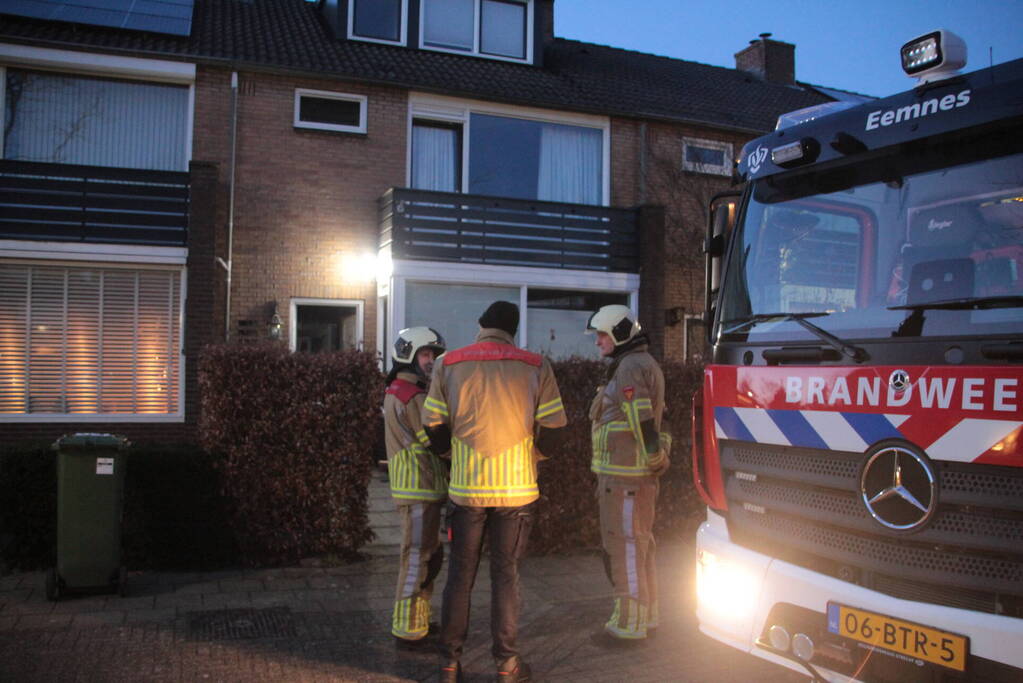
(866, 248)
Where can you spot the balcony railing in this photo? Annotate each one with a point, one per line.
(444, 226)
(60, 202)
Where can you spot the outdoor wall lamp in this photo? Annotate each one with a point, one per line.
(275, 326)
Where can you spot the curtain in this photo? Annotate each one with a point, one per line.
(434, 163)
(96, 122)
(570, 164)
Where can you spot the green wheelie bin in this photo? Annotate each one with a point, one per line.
(90, 501)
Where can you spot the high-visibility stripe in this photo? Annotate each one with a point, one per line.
(411, 618)
(436, 406)
(628, 620)
(405, 472)
(510, 474)
(549, 408)
(630, 547)
(601, 462)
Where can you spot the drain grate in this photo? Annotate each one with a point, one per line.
(236, 624)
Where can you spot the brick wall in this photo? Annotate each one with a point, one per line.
(646, 170)
(303, 198)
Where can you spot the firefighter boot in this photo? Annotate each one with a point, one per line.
(513, 670)
(450, 672)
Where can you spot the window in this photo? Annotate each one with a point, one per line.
(557, 319)
(508, 156)
(60, 118)
(90, 342)
(381, 21)
(707, 156)
(493, 28)
(325, 325)
(525, 159)
(436, 156)
(452, 309)
(330, 111)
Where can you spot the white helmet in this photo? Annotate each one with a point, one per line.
(616, 321)
(412, 339)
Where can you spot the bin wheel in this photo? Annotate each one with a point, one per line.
(52, 585)
(122, 582)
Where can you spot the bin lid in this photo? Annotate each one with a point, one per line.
(91, 440)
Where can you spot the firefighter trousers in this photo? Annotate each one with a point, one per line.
(421, 558)
(626, 530)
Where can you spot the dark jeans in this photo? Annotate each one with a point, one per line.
(508, 531)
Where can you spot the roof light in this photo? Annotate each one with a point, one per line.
(795, 153)
(792, 118)
(934, 56)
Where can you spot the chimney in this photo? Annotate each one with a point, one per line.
(543, 28)
(770, 60)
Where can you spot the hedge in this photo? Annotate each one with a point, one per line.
(173, 514)
(294, 434)
(289, 443)
(567, 517)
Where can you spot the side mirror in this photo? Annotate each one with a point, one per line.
(722, 213)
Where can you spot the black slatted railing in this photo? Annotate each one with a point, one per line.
(444, 226)
(61, 202)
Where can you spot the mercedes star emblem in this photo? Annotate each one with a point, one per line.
(898, 380)
(899, 488)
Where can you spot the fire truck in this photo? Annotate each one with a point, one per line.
(858, 438)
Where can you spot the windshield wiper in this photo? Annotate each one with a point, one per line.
(854, 352)
(1011, 301)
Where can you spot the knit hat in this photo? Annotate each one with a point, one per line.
(503, 315)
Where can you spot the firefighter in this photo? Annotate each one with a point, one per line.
(418, 479)
(497, 405)
(629, 454)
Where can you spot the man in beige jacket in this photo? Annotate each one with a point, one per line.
(492, 400)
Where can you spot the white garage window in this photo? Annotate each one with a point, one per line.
(90, 343)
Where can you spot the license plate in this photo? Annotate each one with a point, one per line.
(895, 635)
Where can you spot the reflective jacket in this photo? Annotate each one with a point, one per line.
(634, 394)
(491, 394)
(416, 474)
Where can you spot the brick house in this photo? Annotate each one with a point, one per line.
(328, 173)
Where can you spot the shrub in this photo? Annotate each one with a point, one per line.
(567, 517)
(28, 513)
(294, 435)
(173, 517)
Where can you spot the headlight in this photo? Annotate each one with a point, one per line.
(726, 588)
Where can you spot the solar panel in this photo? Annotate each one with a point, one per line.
(173, 17)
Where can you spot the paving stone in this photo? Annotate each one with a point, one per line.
(332, 623)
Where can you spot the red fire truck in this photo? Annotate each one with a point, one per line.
(858, 438)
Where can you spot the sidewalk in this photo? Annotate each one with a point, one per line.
(333, 624)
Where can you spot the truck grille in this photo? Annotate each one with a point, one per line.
(804, 506)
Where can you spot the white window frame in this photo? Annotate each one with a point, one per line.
(709, 169)
(477, 20)
(524, 277)
(57, 255)
(329, 95)
(453, 110)
(403, 29)
(89, 64)
(360, 317)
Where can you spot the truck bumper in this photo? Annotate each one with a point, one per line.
(741, 594)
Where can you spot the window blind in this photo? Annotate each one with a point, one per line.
(89, 341)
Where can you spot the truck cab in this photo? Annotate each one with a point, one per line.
(859, 436)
